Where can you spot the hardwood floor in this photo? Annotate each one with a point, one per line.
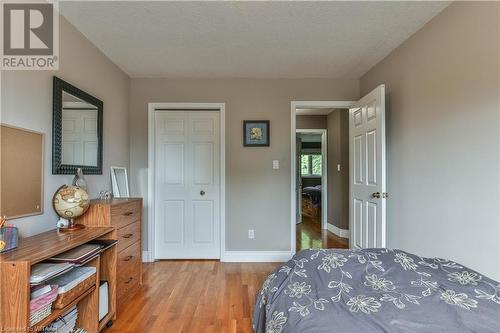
(310, 234)
(194, 296)
(206, 296)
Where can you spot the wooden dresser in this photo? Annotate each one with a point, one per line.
(126, 216)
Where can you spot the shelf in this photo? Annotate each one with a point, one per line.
(56, 313)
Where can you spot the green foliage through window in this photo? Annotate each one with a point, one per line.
(311, 165)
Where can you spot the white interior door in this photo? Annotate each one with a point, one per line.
(187, 185)
(79, 137)
(367, 170)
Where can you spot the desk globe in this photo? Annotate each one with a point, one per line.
(70, 202)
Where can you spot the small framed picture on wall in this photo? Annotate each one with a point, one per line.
(256, 133)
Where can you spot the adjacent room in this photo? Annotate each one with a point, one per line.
(250, 166)
(322, 177)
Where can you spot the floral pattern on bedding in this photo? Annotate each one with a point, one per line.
(375, 290)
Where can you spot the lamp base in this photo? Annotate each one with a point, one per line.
(72, 227)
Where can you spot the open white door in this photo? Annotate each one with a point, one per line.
(367, 170)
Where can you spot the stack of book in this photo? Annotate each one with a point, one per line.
(44, 271)
(42, 297)
(65, 324)
(79, 330)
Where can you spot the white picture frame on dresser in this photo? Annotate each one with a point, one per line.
(119, 182)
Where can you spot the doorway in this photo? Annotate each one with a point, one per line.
(321, 175)
(312, 176)
(366, 167)
(186, 181)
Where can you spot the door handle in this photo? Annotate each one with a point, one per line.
(202, 192)
(378, 195)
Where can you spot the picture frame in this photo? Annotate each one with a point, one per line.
(256, 133)
(119, 182)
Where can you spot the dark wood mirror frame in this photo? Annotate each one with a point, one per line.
(58, 168)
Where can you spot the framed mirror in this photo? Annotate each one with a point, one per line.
(77, 130)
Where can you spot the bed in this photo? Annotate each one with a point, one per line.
(311, 201)
(375, 290)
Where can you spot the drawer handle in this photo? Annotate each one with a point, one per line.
(128, 213)
(129, 280)
(127, 235)
(128, 258)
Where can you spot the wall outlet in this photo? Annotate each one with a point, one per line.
(276, 164)
(251, 234)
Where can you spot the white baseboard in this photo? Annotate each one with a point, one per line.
(344, 233)
(256, 256)
(145, 257)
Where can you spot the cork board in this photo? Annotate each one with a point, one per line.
(21, 172)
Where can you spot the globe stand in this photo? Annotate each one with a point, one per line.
(72, 226)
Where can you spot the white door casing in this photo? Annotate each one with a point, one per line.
(367, 174)
(187, 185)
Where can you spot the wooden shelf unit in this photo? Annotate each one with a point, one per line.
(15, 272)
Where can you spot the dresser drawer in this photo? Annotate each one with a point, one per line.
(128, 235)
(128, 261)
(128, 272)
(130, 255)
(126, 213)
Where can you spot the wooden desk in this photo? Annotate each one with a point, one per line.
(15, 271)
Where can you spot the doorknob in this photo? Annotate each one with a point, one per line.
(202, 192)
(378, 195)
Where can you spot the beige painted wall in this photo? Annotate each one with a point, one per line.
(443, 137)
(338, 182)
(257, 197)
(310, 122)
(27, 102)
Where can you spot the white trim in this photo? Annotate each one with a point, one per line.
(257, 256)
(293, 107)
(145, 257)
(324, 168)
(221, 107)
(343, 233)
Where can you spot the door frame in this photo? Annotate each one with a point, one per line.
(294, 105)
(165, 107)
(324, 175)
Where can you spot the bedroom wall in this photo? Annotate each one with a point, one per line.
(338, 181)
(257, 197)
(27, 102)
(310, 122)
(443, 137)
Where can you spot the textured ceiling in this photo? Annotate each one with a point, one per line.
(248, 39)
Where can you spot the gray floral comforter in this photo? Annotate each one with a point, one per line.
(375, 290)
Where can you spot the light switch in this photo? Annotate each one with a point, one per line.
(276, 164)
(338, 167)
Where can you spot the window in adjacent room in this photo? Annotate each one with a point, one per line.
(310, 165)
